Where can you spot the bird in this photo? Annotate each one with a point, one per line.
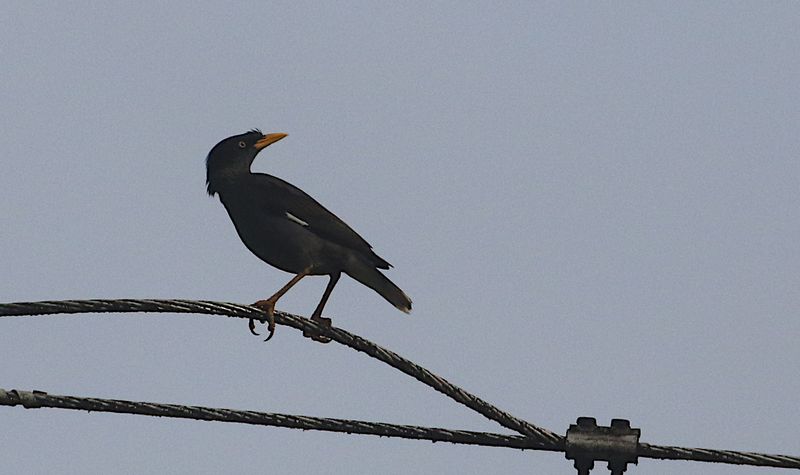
(289, 230)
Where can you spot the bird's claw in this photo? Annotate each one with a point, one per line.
(271, 329)
(252, 326)
(322, 321)
(269, 307)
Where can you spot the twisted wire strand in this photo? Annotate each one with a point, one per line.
(533, 437)
(38, 399)
(545, 437)
(733, 457)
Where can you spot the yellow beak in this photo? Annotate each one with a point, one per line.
(269, 139)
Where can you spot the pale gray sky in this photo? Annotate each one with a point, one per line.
(594, 207)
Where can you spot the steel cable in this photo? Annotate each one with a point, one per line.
(545, 437)
(532, 437)
(38, 399)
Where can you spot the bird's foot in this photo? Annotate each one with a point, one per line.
(269, 307)
(322, 321)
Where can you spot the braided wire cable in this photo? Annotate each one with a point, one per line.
(533, 437)
(666, 452)
(38, 399)
(544, 436)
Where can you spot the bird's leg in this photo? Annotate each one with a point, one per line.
(317, 315)
(269, 305)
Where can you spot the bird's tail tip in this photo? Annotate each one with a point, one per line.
(397, 297)
(404, 307)
(374, 279)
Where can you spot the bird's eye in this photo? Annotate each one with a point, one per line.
(242, 144)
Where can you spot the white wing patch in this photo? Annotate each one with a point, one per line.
(296, 219)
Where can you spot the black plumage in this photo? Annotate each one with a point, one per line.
(288, 229)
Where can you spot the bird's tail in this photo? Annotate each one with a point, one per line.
(375, 280)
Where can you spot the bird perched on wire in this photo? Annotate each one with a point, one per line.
(288, 229)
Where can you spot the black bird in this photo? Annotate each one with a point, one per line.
(290, 230)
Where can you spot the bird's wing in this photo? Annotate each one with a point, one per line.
(285, 199)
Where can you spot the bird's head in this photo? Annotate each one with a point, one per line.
(233, 156)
